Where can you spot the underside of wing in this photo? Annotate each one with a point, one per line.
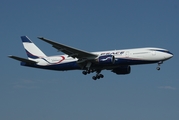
(70, 51)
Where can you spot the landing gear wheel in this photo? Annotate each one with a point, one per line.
(158, 68)
(88, 71)
(98, 77)
(101, 75)
(84, 72)
(94, 77)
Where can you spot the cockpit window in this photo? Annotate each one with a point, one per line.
(165, 51)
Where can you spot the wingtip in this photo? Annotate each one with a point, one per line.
(10, 56)
(40, 38)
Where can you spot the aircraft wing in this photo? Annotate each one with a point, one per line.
(72, 52)
(22, 59)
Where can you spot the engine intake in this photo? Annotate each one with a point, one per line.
(122, 70)
(106, 59)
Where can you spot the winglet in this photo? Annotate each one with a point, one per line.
(40, 38)
(46, 40)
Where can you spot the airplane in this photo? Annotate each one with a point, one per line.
(117, 61)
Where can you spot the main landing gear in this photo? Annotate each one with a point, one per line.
(85, 72)
(97, 76)
(88, 71)
(159, 63)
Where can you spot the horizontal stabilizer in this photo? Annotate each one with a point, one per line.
(22, 59)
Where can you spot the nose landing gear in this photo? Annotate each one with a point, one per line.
(159, 63)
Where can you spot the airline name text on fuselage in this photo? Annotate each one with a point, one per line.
(113, 53)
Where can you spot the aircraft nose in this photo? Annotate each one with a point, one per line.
(169, 55)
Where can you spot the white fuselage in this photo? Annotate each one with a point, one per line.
(125, 56)
(118, 61)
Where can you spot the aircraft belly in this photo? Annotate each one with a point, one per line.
(58, 67)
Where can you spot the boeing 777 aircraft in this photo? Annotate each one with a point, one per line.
(117, 61)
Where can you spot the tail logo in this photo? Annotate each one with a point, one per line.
(54, 61)
(63, 58)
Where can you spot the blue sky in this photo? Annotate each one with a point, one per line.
(94, 25)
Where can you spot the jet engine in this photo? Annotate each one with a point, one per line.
(106, 59)
(122, 70)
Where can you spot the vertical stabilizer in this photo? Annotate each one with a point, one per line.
(33, 52)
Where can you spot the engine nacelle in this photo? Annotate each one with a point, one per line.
(106, 59)
(122, 70)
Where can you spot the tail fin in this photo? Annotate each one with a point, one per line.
(33, 52)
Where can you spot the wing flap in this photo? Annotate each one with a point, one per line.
(22, 59)
(72, 52)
